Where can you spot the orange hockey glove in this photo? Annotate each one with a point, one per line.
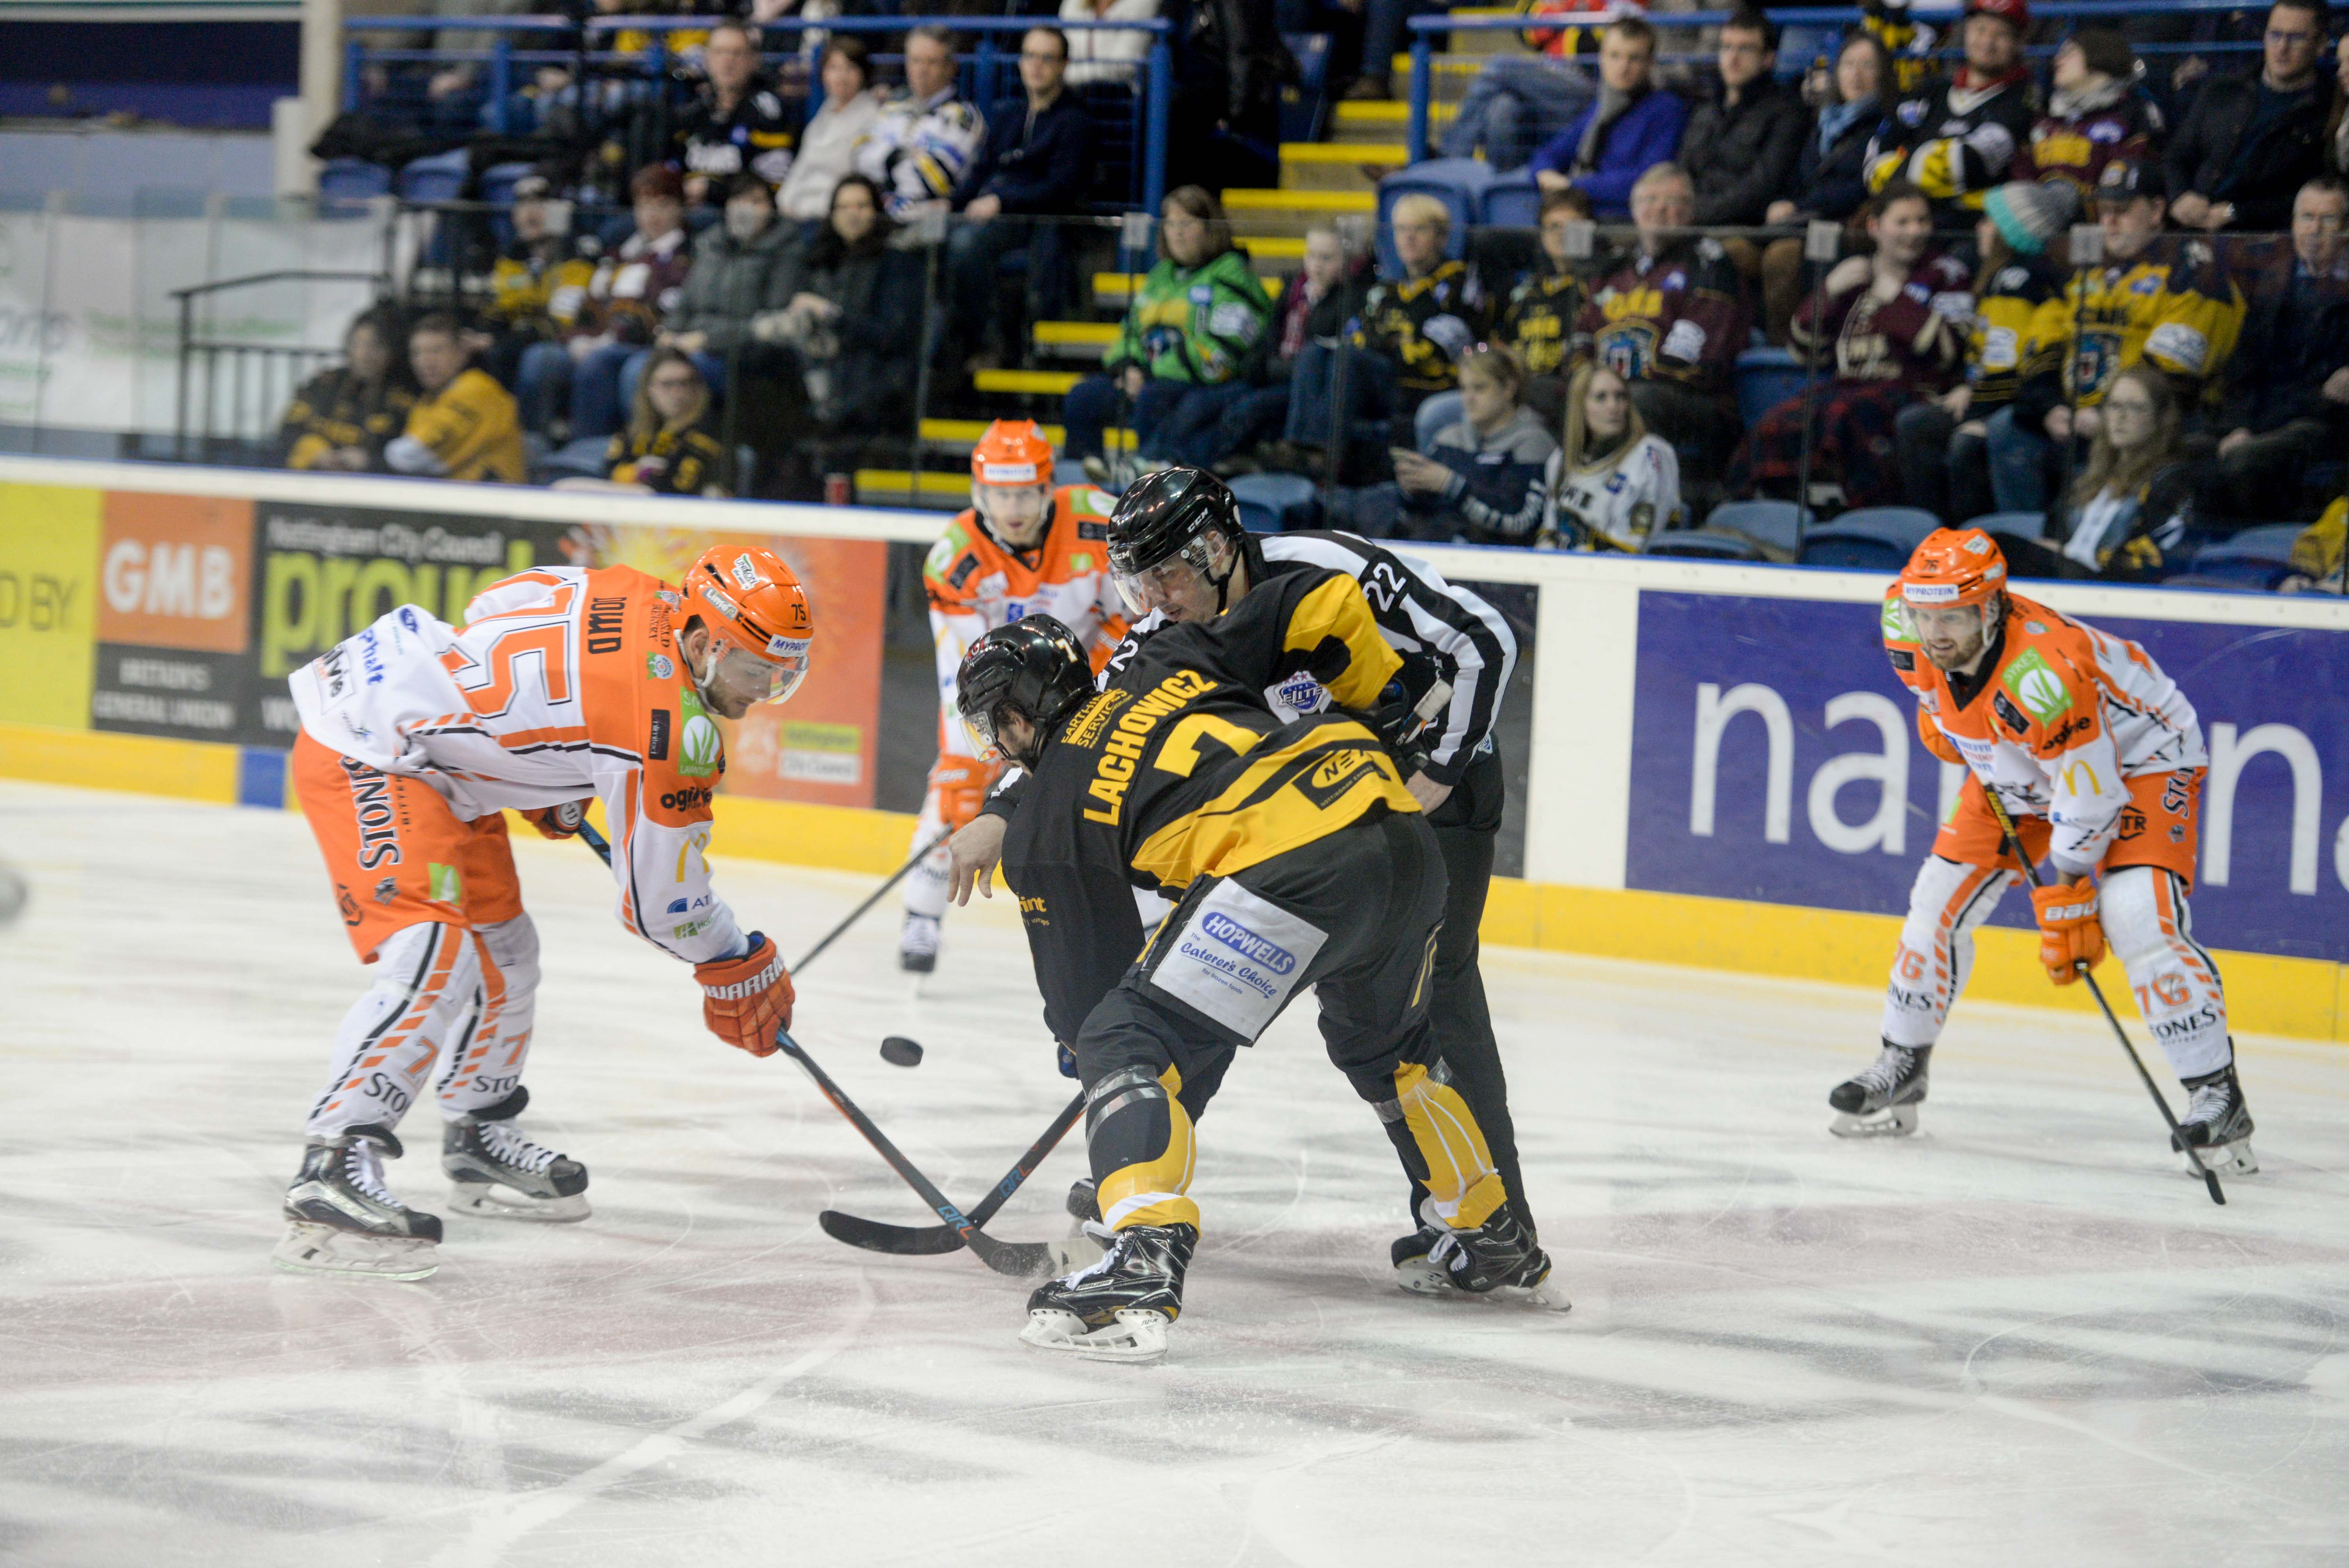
(745, 1000)
(961, 783)
(2069, 933)
(558, 821)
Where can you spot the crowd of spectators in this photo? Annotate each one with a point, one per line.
(2117, 298)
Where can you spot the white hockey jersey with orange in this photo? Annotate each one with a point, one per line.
(2067, 715)
(975, 585)
(563, 682)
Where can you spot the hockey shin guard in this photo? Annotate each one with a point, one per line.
(1461, 1181)
(487, 1066)
(1947, 904)
(2176, 984)
(1139, 1137)
(425, 979)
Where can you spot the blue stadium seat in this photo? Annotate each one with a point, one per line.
(1460, 183)
(353, 180)
(499, 179)
(1773, 525)
(1701, 544)
(1902, 527)
(1513, 201)
(1833, 546)
(2257, 558)
(1305, 105)
(1276, 503)
(1766, 378)
(439, 178)
(2014, 524)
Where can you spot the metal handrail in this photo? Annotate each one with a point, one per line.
(188, 344)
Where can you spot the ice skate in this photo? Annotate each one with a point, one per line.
(1119, 1308)
(2217, 1124)
(497, 1173)
(1882, 1101)
(918, 944)
(342, 1219)
(1498, 1260)
(1413, 1269)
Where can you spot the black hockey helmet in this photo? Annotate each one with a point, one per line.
(1169, 514)
(1035, 667)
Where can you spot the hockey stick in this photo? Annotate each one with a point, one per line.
(858, 913)
(927, 1241)
(1003, 1258)
(2080, 968)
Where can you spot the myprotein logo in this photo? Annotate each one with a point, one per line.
(1257, 949)
(174, 572)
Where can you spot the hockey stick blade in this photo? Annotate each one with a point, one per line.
(928, 1241)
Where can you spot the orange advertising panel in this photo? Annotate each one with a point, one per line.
(821, 746)
(174, 572)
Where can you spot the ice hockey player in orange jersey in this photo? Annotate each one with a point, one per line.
(564, 684)
(2099, 759)
(1023, 548)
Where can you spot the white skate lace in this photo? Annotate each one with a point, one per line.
(506, 1144)
(920, 935)
(1109, 1240)
(362, 1169)
(2209, 1105)
(1884, 1074)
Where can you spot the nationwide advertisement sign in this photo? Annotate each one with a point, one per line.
(1775, 757)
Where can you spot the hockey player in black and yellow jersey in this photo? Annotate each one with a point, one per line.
(1297, 858)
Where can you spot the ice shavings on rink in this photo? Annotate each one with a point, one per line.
(2023, 1333)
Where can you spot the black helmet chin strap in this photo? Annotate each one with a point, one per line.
(1223, 583)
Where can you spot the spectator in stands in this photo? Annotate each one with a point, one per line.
(828, 146)
(670, 444)
(1326, 295)
(1741, 143)
(1672, 321)
(2098, 114)
(1223, 125)
(1612, 485)
(463, 426)
(2168, 304)
(1830, 177)
(1480, 481)
(738, 271)
(927, 135)
(2320, 556)
(538, 287)
(2017, 331)
(1955, 140)
(633, 287)
(851, 322)
(1537, 323)
(2287, 403)
(1190, 338)
(2250, 142)
(2131, 507)
(735, 123)
(340, 418)
(2340, 136)
(1896, 321)
(1633, 126)
(1107, 56)
(1036, 165)
(1413, 330)
(1516, 103)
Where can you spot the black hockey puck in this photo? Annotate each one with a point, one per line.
(902, 1051)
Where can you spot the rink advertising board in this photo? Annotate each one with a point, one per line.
(152, 612)
(1775, 758)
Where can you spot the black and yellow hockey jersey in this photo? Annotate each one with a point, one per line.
(538, 289)
(1178, 770)
(1424, 325)
(335, 409)
(1538, 320)
(2019, 328)
(2172, 307)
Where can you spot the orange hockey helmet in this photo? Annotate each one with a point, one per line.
(1954, 566)
(757, 615)
(1012, 482)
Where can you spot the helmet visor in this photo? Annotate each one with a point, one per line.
(1179, 579)
(757, 678)
(1013, 514)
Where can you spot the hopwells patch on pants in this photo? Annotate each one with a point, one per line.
(1238, 958)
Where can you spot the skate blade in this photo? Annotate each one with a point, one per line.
(314, 1249)
(1138, 1335)
(1894, 1121)
(917, 963)
(2227, 1158)
(496, 1201)
(1425, 1276)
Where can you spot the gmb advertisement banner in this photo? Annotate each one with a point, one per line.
(1775, 757)
(181, 615)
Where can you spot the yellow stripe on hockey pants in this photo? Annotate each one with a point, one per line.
(1149, 1192)
(1460, 1175)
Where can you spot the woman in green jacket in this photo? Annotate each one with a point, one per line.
(1193, 333)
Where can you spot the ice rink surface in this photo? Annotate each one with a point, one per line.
(2026, 1334)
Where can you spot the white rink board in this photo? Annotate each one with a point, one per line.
(2024, 1335)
